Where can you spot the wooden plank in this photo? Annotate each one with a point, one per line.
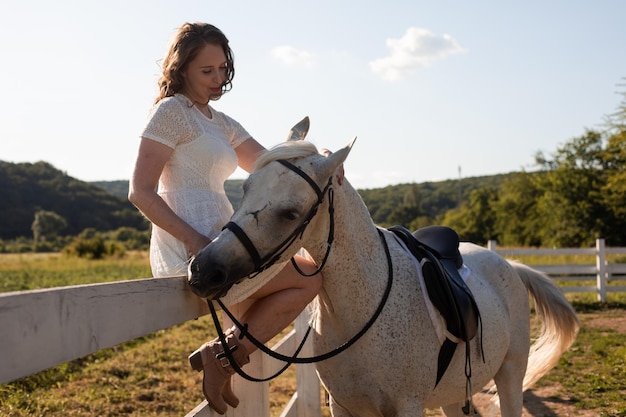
(548, 252)
(291, 409)
(579, 289)
(616, 268)
(560, 279)
(568, 269)
(308, 395)
(202, 410)
(286, 346)
(44, 328)
(616, 250)
(254, 396)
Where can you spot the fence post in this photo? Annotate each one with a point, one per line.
(309, 401)
(491, 245)
(601, 269)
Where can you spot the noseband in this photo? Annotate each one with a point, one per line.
(261, 264)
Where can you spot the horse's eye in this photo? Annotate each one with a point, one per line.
(289, 214)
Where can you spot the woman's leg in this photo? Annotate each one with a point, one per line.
(280, 301)
(274, 306)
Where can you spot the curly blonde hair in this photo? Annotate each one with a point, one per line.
(183, 48)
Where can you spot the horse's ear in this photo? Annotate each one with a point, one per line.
(299, 131)
(334, 160)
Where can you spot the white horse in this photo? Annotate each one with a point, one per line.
(391, 369)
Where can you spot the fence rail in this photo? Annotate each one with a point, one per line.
(72, 322)
(607, 276)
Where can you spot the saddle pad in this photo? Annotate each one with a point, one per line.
(435, 317)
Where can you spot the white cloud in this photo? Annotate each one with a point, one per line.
(291, 56)
(416, 49)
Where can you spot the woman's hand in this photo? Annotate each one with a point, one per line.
(198, 244)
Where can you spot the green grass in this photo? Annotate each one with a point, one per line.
(593, 371)
(28, 271)
(150, 376)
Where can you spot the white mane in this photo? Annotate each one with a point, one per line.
(285, 150)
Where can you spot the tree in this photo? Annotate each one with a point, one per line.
(409, 210)
(47, 225)
(475, 221)
(616, 122)
(517, 220)
(571, 207)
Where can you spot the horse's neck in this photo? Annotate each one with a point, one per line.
(354, 227)
(356, 254)
(354, 230)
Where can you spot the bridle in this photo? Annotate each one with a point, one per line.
(261, 264)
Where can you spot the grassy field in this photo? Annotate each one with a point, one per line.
(150, 376)
(28, 271)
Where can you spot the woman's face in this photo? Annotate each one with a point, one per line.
(205, 74)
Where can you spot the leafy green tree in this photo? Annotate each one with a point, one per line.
(476, 220)
(616, 177)
(47, 225)
(409, 210)
(517, 219)
(616, 122)
(572, 206)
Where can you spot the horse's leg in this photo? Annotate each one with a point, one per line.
(510, 377)
(509, 381)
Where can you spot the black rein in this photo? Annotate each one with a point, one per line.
(262, 264)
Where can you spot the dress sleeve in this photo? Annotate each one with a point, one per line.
(167, 124)
(234, 131)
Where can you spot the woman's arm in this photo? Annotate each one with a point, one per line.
(151, 159)
(248, 152)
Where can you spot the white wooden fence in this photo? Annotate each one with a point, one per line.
(43, 328)
(606, 275)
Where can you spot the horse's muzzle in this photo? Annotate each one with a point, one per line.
(209, 282)
(212, 279)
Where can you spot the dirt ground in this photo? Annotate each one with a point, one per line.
(537, 403)
(542, 402)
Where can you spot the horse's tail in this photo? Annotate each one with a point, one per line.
(559, 323)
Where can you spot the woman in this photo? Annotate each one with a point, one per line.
(187, 150)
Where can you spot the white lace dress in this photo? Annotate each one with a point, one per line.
(192, 181)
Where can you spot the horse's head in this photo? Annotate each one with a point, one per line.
(280, 199)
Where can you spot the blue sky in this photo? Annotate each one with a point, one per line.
(426, 86)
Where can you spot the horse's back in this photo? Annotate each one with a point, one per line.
(487, 266)
(493, 281)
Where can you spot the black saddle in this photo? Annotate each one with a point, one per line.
(437, 250)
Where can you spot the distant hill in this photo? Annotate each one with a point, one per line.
(433, 198)
(430, 199)
(103, 205)
(120, 188)
(30, 187)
